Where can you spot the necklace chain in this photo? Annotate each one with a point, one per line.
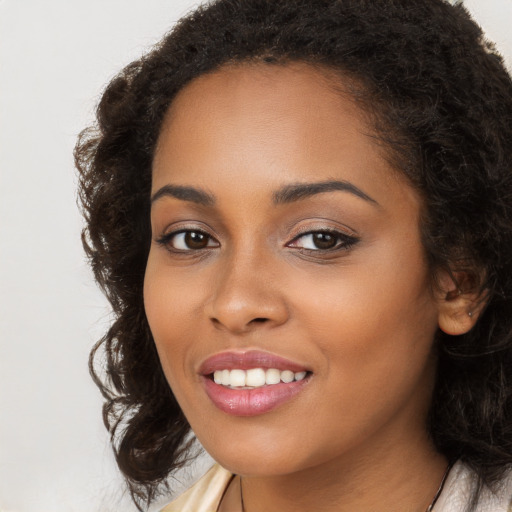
(430, 508)
(436, 496)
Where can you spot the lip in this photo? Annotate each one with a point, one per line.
(247, 360)
(250, 402)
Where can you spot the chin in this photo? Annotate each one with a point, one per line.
(264, 458)
(277, 465)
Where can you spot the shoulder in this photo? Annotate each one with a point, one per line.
(205, 494)
(461, 483)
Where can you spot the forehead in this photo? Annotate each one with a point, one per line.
(262, 93)
(230, 84)
(271, 124)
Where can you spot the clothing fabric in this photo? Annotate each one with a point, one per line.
(458, 488)
(207, 493)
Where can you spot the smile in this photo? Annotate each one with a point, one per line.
(255, 377)
(252, 383)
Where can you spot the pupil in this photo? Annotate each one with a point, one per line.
(324, 240)
(195, 240)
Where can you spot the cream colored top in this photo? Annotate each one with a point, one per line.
(206, 494)
(457, 492)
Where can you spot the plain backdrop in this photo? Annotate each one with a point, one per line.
(55, 58)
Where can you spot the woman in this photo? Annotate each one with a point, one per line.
(301, 213)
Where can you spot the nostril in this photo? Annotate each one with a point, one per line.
(254, 320)
(239, 325)
(259, 320)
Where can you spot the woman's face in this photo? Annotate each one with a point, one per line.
(284, 243)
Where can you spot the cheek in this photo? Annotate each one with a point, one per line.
(375, 326)
(168, 305)
(376, 364)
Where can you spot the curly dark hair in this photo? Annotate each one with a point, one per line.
(440, 100)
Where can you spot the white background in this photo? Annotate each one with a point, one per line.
(55, 58)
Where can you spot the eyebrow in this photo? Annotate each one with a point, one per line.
(191, 194)
(296, 192)
(287, 194)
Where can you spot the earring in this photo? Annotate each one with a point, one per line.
(470, 314)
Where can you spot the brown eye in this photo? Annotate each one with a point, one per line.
(189, 241)
(196, 240)
(323, 241)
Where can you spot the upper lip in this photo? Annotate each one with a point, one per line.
(247, 360)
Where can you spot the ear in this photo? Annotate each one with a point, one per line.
(460, 302)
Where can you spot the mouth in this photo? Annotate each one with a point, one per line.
(255, 377)
(252, 383)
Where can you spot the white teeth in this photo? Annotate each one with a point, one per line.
(226, 380)
(272, 376)
(255, 377)
(237, 378)
(287, 376)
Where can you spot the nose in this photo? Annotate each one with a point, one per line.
(246, 296)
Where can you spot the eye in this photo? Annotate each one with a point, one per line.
(188, 240)
(323, 241)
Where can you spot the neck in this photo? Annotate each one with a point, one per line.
(386, 482)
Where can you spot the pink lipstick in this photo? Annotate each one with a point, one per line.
(253, 382)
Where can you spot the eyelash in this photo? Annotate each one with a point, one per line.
(343, 241)
(167, 239)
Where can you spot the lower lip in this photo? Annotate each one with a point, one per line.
(251, 402)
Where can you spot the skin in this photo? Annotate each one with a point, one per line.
(362, 316)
